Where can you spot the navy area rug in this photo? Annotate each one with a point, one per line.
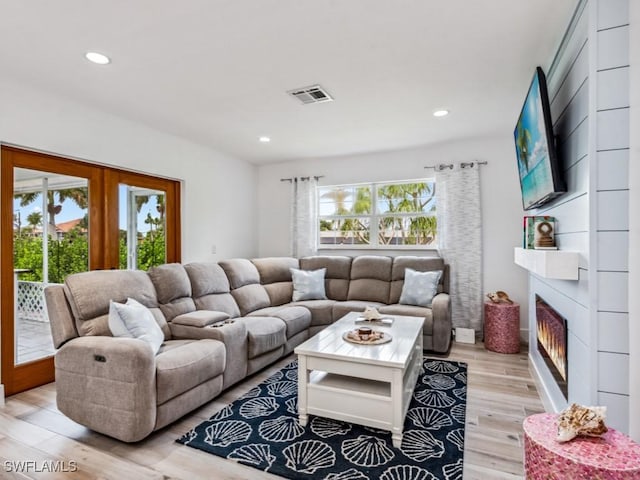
(261, 430)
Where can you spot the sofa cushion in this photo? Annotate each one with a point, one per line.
(308, 284)
(340, 309)
(411, 311)
(134, 320)
(184, 364)
(221, 302)
(170, 281)
(295, 318)
(337, 275)
(240, 272)
(264, 334)
(279, 292)
(321, 311)
(275, 269)
(420, 264)
(89, 295)
(207, 278)
(370, 278)
(419, 287)
(250, 298)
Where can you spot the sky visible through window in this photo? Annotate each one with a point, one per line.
(71, 211)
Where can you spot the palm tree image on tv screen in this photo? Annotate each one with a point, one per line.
(537, 163)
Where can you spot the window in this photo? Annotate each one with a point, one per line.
(378, 215)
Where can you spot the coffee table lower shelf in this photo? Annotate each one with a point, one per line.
(379, 404)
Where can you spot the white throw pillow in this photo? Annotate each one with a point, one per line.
(308, 284)
(419, 287)
(134, 320)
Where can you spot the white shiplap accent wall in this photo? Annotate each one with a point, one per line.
(589, 91)
(612, 198)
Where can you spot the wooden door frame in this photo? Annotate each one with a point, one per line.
(103, 241)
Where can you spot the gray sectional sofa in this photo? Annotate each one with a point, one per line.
(221, 322)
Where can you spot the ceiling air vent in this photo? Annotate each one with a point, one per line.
(312, 94)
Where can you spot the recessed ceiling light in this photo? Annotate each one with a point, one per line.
(98, 58)
(265, 139)
(441, 113)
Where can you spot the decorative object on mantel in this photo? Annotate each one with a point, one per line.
(368, 337)
(578, 420)
(538, 232)
(499, 297)
(261, 430)
(613, 456)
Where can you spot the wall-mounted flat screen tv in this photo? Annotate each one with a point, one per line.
(540, 174)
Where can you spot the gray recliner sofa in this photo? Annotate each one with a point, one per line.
(118, 387)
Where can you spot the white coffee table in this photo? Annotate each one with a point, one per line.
(369, 385)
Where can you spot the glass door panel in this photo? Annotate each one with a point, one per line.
(141, 227)
(50, 241)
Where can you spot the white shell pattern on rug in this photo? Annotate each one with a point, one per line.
(429, 418)
(225, 433)
(189, 436)
(461, 392)
(325, 427)
(434, 398)
(253, 393)
(367, 451)
(439, 381)
(308, 456)
(351, 474)
(281, 429)
(441, 367)
(457, 438)
(462, 376)
(258, 407)
(453, 471)
(276, 377)
(282, 389)
(457, 412)
(292, 405)
(292, 375)
(222, 414)
(406, 472)
(420, 445)
(257, 454)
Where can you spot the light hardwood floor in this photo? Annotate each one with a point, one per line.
(501, 393)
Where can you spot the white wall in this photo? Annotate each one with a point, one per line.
(218, 191)
(500, 190)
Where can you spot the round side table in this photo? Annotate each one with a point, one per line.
(502, 327)
(613, 456)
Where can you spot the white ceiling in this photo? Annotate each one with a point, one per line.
(216, 71)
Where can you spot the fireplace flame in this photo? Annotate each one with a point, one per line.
(552, 337)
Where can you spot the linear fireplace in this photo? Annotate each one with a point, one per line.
(552, 342)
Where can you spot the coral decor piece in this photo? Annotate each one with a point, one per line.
(579, 420)
(499, 297)
(370, 313)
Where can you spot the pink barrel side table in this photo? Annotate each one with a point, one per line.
(502, 327)
(614, 456)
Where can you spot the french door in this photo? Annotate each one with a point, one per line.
(60, 216)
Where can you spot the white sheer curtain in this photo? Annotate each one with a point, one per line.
(304, 216)
(460, 242)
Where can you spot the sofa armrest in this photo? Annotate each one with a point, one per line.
(441, 309)
(109, 385)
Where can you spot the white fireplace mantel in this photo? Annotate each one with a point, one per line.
(557, 264)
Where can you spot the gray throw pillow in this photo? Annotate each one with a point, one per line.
(419, 287)
(308, 284)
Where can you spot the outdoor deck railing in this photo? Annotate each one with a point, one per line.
(30, 303)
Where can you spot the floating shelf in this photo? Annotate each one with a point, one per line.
(557, 264)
